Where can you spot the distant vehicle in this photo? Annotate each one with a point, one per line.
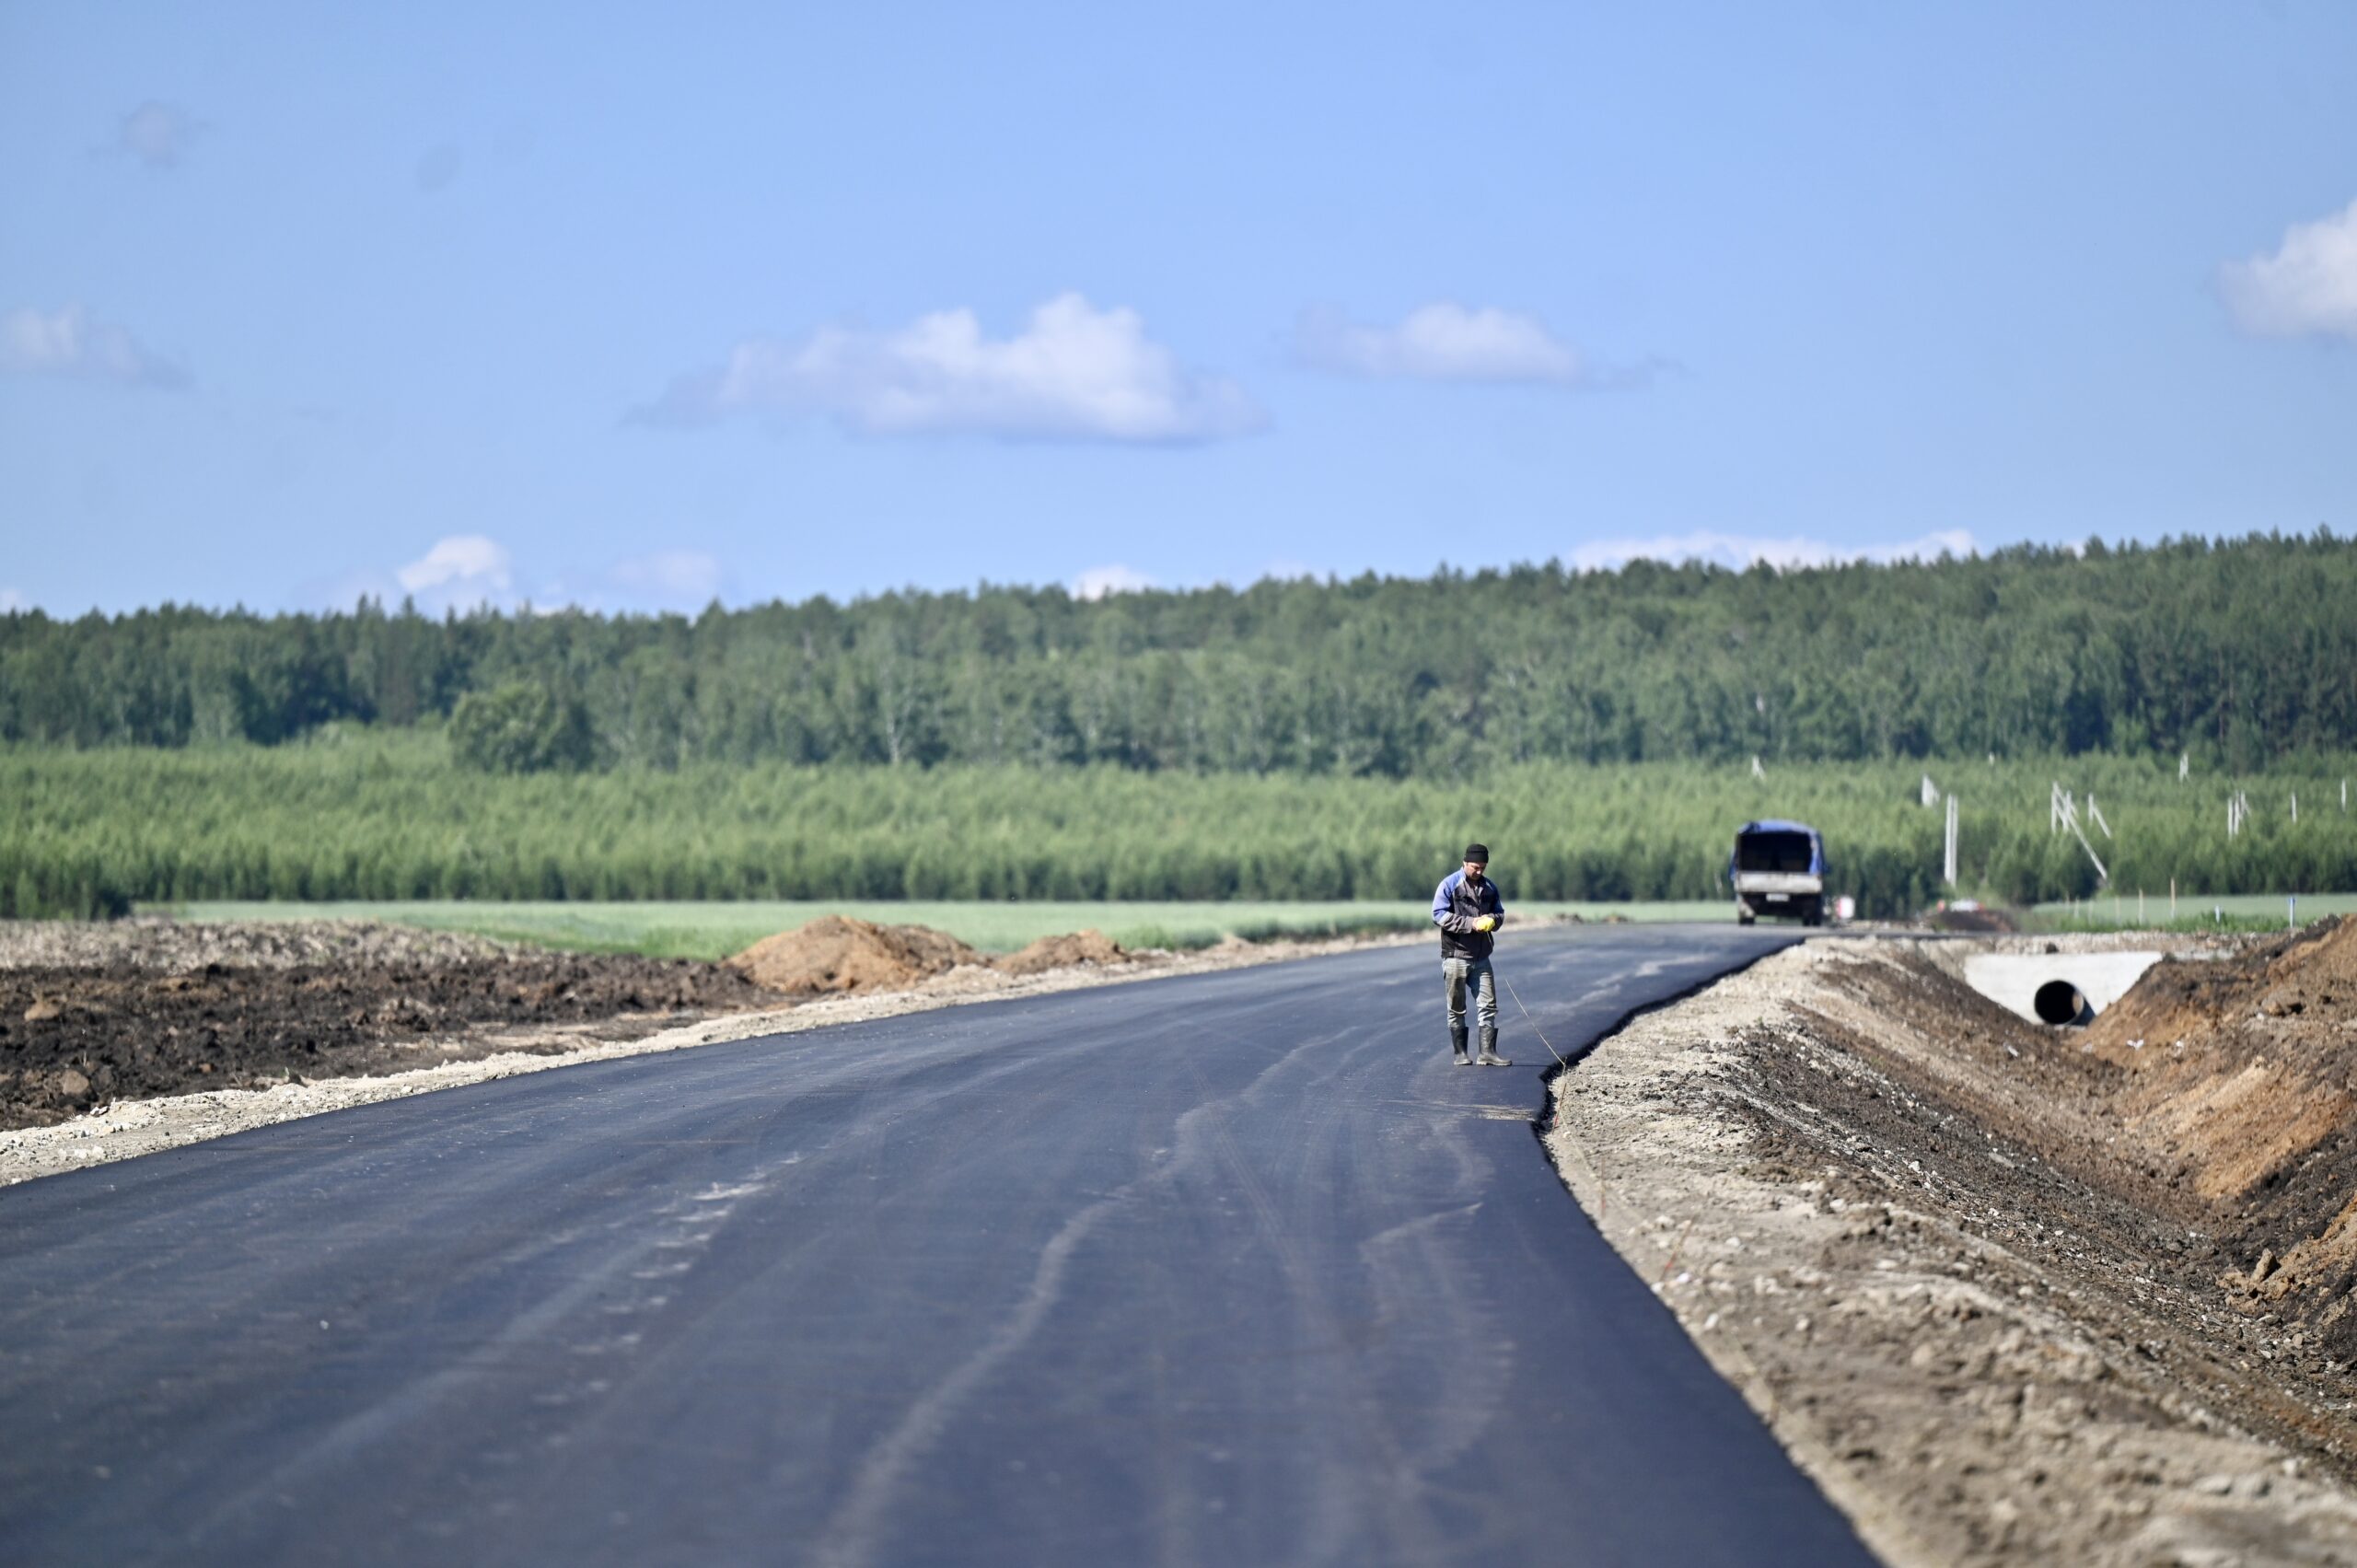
(1778, 868)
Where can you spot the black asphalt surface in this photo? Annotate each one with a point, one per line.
(1226, 1269)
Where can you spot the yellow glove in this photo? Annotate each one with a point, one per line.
(1487, 923)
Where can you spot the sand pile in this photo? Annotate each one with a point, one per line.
(2244, 1072)
(838, 953)
(1064, 953)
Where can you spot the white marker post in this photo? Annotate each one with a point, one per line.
(1948, 867)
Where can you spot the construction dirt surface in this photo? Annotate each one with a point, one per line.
(2012, 1293)
(121, 1038)
(838, 953)
(91, 1015)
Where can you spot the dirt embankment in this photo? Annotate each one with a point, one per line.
(91, 1015)
(837, 953)
(2013, 1294)
(2241, 1079)
(840, 955)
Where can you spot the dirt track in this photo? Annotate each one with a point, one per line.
(1986, 1279)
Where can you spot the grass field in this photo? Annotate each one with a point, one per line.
(2151, 912)
(714, 930)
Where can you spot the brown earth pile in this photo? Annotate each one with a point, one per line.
(74, 1037)
(2241, 1076)
(1064, 953)
(837, 953)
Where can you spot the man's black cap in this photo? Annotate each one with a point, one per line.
(1478, 851)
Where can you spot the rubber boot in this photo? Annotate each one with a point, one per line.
(1457, 1042)
(1489, 1057)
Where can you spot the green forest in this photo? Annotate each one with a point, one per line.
(1290, 740)
(2240, 654)
(384, 814)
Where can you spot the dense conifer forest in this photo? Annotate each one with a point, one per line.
(1294, 739)
(2238, 653)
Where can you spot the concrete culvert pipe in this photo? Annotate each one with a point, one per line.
(2059, 1002)
(2055, 988)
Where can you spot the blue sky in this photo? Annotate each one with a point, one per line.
(585, 305)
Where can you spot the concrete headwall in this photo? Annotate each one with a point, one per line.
(2013, 979)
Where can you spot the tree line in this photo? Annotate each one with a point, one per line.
(2238, 652)
(387, 815)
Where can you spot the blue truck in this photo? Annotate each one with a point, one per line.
(1778, 868)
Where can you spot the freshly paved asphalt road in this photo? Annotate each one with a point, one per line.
(1227, 1269)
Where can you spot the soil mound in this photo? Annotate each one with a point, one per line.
(837, 953)
(73, 1036)
(2239, 1069)
(1065, 952)
(2313, 969)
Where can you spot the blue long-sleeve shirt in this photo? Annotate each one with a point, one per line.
(1456, 906)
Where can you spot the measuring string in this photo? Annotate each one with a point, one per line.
(1602, 1194)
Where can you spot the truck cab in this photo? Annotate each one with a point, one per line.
(1778, 868)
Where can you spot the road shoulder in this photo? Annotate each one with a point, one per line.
(1931, 1317)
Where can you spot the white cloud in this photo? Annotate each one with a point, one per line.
(1444, 341)
(2309, 285)
(1739, 551)
(1074, 373)
(462, 569)
(68, 341)
(1098, 581)
(157, 134)
(12, 600)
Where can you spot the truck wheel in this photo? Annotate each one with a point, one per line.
(1813, 912)
(1743, 917)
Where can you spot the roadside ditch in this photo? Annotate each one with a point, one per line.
(2011, 1293)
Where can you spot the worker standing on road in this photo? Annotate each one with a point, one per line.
(1466, 908)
